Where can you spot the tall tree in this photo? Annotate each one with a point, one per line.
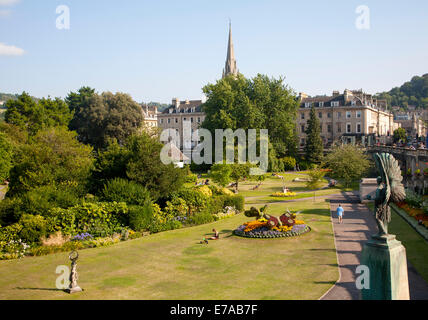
(138, 160)
(314, 145)
(347, 163)
(53, 157)
(32, 116)
(259, 103)
(99, 118)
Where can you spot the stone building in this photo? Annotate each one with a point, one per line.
(351, 117)
(150, 114)
(413, 122)
(180, 111)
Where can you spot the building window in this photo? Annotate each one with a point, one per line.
(339, 127)
(348, 128)
(339, 114)
(191, 119)
(353, 103)
(335, 103)
(176, 120)
(169, 120)
(321, 104)
(161, 121)
(358, 127)
(329, 128)
(320, 115)
(303, 116)
(358, 114)
(185, 119)
(308, 104)
(199, 120)
(328, 115)
(348, 114)
(303, 128)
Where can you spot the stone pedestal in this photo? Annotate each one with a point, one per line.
(386, 259)
(74, 290)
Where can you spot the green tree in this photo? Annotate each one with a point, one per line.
(400, 134)
(258, 103)
(33, 116)
(220, 174)
(100, 118)
(314, 145)
(6, 156)
(53, 157)
(315, 181)
(239, 172)
(138, 160)
(347, 163)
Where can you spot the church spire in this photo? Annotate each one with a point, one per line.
(230, 67)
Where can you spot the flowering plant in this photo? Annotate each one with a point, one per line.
(281, 194)
(82, 237)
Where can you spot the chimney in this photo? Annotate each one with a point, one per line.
(302, 96)
(336, 93)
(176, 102)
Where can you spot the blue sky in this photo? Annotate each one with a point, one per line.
(157, 50)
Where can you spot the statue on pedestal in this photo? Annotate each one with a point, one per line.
(390, 189)
(73, 288)
(383, 254)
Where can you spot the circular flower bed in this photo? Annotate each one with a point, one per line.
(283, 195)
(260, 229)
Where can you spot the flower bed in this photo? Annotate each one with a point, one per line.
(260, 229)
(415, 213)
(284, 195)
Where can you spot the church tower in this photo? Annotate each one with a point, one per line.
(230, 67)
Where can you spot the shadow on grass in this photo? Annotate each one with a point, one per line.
(42, 289)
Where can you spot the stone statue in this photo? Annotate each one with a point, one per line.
(73, 288)
(383, 254)
(390, 189)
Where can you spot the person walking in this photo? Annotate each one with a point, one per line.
(340, 212)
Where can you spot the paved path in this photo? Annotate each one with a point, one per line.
(358, 226)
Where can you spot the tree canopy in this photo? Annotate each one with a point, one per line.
(33, 116)
(258, 103)
(413, 92)
(101, 117)
(347, 163)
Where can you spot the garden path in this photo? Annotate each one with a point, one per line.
(358, 226)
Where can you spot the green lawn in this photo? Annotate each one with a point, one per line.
(172, 265)
(416, 246)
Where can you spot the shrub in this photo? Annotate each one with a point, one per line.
(192, 178)
(177, 207)
(140, 216)
(289, 163)
(195, 198)
(413, 199)
(41, 200)
(10, 210)
(202, 217)
(205, 190)
(33, 228)
(63, 220)
(122, 190)
(10, 232)
(235, 201)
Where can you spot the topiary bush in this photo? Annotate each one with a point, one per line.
(202, 217)
(140, 216)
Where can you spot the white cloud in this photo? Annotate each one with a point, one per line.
(6, 50)
(8, 2)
